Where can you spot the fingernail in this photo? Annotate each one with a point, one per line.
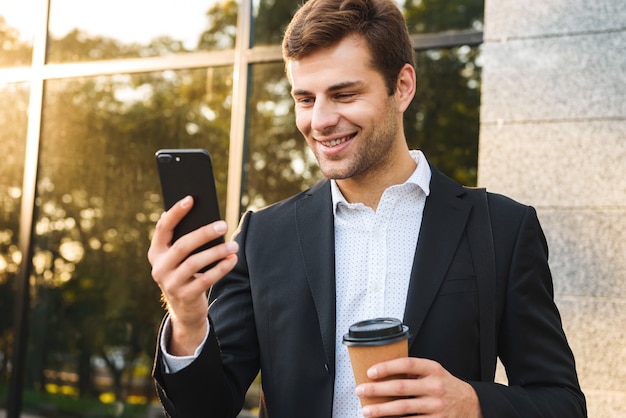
(232, 246)
(185, 202)
(359, 391)
(366, 411)
(220, 227)
(372, 373)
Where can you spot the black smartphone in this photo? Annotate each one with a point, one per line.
(189, 172)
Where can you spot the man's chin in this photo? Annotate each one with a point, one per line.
(336, 174)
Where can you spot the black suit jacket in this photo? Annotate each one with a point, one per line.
(275, 312)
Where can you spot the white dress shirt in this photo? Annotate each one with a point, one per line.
(374, 254)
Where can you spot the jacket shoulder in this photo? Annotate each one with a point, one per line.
(320, 190)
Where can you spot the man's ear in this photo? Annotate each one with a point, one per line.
(405, 87)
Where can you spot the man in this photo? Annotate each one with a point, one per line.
(387, 235)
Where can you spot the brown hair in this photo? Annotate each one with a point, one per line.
(324, 23)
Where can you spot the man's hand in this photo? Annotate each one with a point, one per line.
(429, 390)
(184, 290)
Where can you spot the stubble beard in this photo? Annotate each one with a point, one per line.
(372, 156)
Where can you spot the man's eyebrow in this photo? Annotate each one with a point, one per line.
(331, 89)
(344, 85)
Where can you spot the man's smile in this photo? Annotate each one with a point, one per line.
(335, 141)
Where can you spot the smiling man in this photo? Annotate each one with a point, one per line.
(350, 120)
(385, 235)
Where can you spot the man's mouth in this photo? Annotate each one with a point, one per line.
(335, 142)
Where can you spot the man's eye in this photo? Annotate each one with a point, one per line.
(345, 96)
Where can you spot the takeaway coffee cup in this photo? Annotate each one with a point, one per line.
(373, 341)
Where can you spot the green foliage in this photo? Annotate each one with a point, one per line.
(15, 52)
(443, 119)
(271, 19)
(63, 406)
(428, 16)
(221, 26)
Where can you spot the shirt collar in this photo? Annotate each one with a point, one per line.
(420, 177)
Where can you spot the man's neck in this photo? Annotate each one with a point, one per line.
(368, 188)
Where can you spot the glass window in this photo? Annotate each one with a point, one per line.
(17, 31)
(278, 163)
(423, 16)
(428, 16)
(87, 30)
(13, 126)
(270, 20)
(443, 119)
(95, 311)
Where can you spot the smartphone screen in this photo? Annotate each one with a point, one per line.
(189, 172)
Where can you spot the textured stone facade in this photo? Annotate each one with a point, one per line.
(553, 135)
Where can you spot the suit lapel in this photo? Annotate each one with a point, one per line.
(443, 223)
(315, 228)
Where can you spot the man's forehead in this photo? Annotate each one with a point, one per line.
(351, 44)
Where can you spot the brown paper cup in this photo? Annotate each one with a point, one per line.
(363, 357)
(374, 341)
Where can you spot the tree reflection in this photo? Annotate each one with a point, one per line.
(13, 122)
(15, 52)
(94, 309)
(221, 26)
(77, 45)
(428, 16)
(98, 199)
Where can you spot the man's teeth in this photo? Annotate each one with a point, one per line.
(335, 142)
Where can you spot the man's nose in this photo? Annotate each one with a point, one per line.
(325, 115)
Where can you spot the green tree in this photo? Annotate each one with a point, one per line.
(13, 125)
(443, 119)
(221, 29)
(98, 199)
(429, 16)
(97, 202)
(15, 52)
(271, 20)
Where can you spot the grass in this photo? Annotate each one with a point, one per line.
(64, 406)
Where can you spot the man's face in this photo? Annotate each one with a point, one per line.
(344, 111)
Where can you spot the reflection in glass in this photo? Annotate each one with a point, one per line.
(423, 16)
(83, 31)
(270, 20)
(279, 162)
(95, 308)
(427, 16)
(13, 126)
(17, 32)
(443, 119)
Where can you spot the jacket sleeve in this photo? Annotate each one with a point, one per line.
(531, 343)
(215, 384)
(198, 390)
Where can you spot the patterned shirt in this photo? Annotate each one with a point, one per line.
(374, 252)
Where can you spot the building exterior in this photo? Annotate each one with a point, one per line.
(553, 135)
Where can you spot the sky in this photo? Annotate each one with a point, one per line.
(125, 20)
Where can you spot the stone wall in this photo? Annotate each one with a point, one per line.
(553, 135)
